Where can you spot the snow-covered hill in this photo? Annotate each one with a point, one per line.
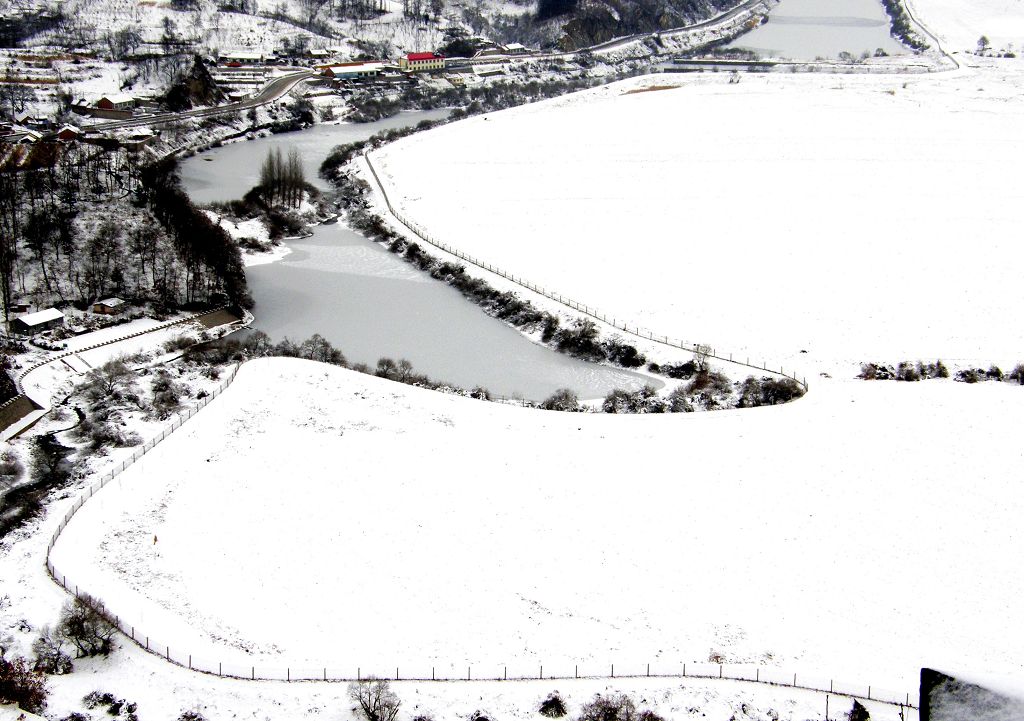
(314, 516)
(849, 217)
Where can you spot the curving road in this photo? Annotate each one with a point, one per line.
(270, 92)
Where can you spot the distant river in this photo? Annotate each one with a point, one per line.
(809, 29)
(371, 304)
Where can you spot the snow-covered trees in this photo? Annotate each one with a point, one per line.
(375, 699)
(282, 180)
(85, 625)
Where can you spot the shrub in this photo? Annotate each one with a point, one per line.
(780, 390)
(619, 707)
(970, 375)
(684, 371)
(994, 373)
(679, 401)
(907, 372)
(181, 342)
(858, 712)
(561, 400)
(49, 653)
(710, 389)
(375, 698)
(22, 685)
(623, 354)
(750, 393)
(553, 706)
(166, 394)
(580, 340)
(551, 324)
(85, 624)
(645, 400)
(11, 468)
(191, 716)
(114, 705)
(1017, 374)
(94, 699)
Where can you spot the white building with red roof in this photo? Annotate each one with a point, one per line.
(421, 62)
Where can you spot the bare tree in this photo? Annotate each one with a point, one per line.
(701, 353)
(376, 699)
(84, 622)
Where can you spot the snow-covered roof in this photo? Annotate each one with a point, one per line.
(41, 316)
(515, 46)
(110, 302)
(243, 55)
(118, 98)
(373, 66)
(72, 128)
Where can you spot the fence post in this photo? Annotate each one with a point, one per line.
(719, 670)
(613, 670)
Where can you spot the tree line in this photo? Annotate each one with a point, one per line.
(81, 222)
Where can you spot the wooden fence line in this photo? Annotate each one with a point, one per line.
(633, 329)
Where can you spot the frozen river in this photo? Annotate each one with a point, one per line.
(371, 304)
(809, 29)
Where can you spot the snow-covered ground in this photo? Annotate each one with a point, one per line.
(858, 534)
(852, 217)
(959, 23)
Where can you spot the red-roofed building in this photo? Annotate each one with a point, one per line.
(421, 62)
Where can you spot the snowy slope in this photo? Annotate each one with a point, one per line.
(853, 217)
(316, 517)
(959, 23)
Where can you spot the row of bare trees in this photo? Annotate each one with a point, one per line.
(282, 179)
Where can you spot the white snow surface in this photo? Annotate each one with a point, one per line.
(960, 23)
(312, 516)
(852, 217)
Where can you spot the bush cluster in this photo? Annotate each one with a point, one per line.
(22, 685)
(908, 371)
(904, 371)
(615, 707)
(113, 705)
(644, 400)
(553, 706)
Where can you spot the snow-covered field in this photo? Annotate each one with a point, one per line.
(851, 217)
(959, 23)
(316, 517)
(858, 534)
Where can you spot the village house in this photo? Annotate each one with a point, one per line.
(117, 101)
(352, 71)
(243, 57)
(108, 306)
(37, 322)
(421, 62)
(68, 133)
